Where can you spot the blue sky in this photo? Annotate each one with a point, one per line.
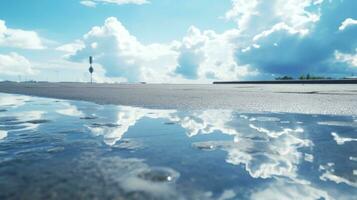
(67, 20)
(196, 41)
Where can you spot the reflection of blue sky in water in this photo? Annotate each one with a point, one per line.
(207, 154)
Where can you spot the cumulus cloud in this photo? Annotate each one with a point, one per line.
(256, 16)
(200, 56)
(208, 55)
(71, 48)
(272, 38)
(13, 64)
(295, 38)
(122, 55)
(93, 3)
(18, 38)
(348, 22)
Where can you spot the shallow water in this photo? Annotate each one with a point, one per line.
(57, 149)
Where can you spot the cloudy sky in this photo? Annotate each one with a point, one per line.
(170, 41)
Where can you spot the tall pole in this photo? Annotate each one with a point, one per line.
(91, 69)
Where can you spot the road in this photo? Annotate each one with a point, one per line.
(292, 98)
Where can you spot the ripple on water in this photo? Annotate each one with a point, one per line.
(159, 175)
(213, 145)
(128, 144)
(338, 123)
(38, 121)
(108, 125)
(265, 119)
(89, 117)
(3, 134)
(4, 120)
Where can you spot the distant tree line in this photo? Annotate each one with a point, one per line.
(303, 77)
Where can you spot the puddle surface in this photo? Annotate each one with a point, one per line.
(52, 149)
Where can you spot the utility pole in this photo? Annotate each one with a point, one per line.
(91, 69)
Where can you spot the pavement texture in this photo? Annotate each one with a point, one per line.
(293, 98)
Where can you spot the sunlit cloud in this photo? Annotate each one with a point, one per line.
(13, 64)
(19, 38)
(347, 23)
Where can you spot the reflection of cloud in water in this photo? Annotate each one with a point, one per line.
(199, 122)
(342, 140)
(330, 174)
(263, 146)
(70, 110)
(275, 134)
(227, 194)
(265, 119)
(29, 120)
(157, 181)
(338, 123)
(309, 157)
(279, 156)
(13, 100)
(207, 121)
(3, 134)
(283, 190)
(127, 117)
(128, 144)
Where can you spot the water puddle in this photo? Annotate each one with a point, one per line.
(57, 149)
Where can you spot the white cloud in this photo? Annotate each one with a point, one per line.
(60, 69)
(347, 23)
(14, 64)
(279, 27)
(350, 59)
(71, 47)
(122, 55)
(201, 56)
(272, 38)
(93, 3)
(88, 3)
(18, 38)
(256, 16)
(206, 55)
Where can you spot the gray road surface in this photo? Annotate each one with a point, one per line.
(309, 99)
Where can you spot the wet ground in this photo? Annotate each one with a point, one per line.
(57, 149)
